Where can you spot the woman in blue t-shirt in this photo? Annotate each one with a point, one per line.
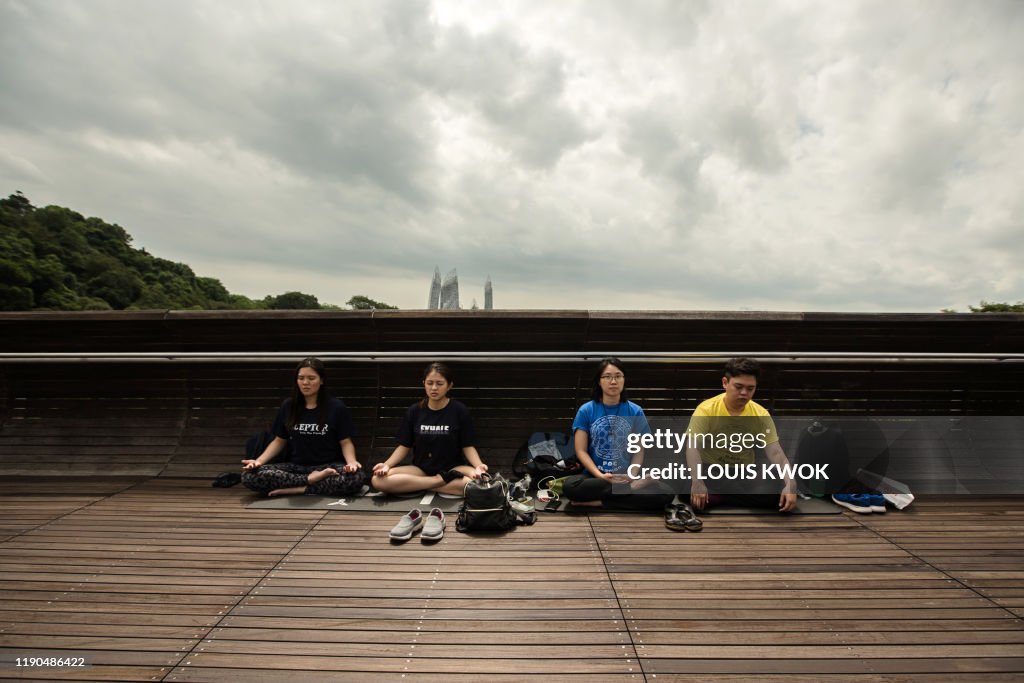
(439, 433)
(600, 434)
(319, 430)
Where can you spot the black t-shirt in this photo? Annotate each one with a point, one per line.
(314, 442)
(437, 437)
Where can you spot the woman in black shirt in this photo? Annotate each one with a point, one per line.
(439, 432)
(319, 429)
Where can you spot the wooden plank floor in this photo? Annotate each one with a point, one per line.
(172, 580)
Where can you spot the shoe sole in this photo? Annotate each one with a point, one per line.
(851, 506)
(407, 536)
(432, 539)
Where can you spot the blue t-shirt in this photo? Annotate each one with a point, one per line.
(608, 428)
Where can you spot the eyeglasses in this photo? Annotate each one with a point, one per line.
(613, 378)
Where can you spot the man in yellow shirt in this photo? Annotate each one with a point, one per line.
(722, 435)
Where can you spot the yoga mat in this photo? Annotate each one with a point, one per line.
(368, 503)
(425, 501)
(813, 506)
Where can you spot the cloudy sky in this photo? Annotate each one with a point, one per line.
(656, 155)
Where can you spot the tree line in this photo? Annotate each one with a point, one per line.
(53, 258)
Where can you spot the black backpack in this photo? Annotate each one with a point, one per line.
(254, 447)
(486, 506)
(546, 454)
(257, 443)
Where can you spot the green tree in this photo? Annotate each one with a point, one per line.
(15, 290)
(118, 287)
(53, 286)
(17, 204)
(293, 301)
(14, 298)
(55, 258)
(239, 302)
(364, 303)
(155, 297)
(213, 290)
(993, 307)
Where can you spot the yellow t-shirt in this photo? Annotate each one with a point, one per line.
(726, 439)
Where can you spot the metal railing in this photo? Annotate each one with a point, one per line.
(695, 357)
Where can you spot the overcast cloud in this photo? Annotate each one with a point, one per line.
(676, 155)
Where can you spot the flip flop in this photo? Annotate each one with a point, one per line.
(689, 517)
(680, 517)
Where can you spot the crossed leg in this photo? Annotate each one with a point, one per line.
(409, 478)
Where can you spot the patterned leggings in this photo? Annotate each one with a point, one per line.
(287, 474)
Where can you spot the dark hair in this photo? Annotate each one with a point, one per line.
(742, 366)
(596, 394)
(441, 369)
(299, 401)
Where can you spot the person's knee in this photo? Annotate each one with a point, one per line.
(251, 480)
(572, 484)
(582, 488)
(347, 483)
(383, 483)
(336, 486)
(570, 493)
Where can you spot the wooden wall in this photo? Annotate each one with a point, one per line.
(191, 419)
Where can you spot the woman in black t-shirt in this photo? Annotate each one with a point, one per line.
(319, 429)
(439, 432)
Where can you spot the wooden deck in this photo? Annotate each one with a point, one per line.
(171, 580)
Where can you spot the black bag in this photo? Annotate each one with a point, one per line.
(546, 454)
(824, 444)
(254, 447)
(486, 506)
(256, 444)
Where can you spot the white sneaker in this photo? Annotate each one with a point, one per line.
(523, 506)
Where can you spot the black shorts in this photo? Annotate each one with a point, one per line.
(432, 466)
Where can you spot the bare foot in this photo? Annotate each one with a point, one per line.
(295, 490)
(320, 475)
